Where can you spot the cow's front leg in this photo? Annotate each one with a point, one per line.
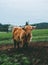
(25, 44)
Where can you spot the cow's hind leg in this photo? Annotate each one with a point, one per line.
(18, 44)
(14, 43)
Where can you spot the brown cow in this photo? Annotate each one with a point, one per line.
(18, 36)
(28, 29)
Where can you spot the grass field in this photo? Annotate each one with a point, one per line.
(38, 35)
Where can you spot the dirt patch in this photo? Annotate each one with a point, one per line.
(42, 44)
(32, 44)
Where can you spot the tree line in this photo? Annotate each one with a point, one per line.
(5, 27)
(41, 25)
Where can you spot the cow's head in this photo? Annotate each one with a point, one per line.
(29, 28)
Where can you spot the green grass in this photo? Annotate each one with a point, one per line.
(5, 35)
(38, 35)
(5, 38)
(40, 32)
(3, 42)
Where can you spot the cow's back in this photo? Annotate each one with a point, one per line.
(18, 34)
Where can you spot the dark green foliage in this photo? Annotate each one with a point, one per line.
(4, 27)
(25, 56)
(41, 25)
